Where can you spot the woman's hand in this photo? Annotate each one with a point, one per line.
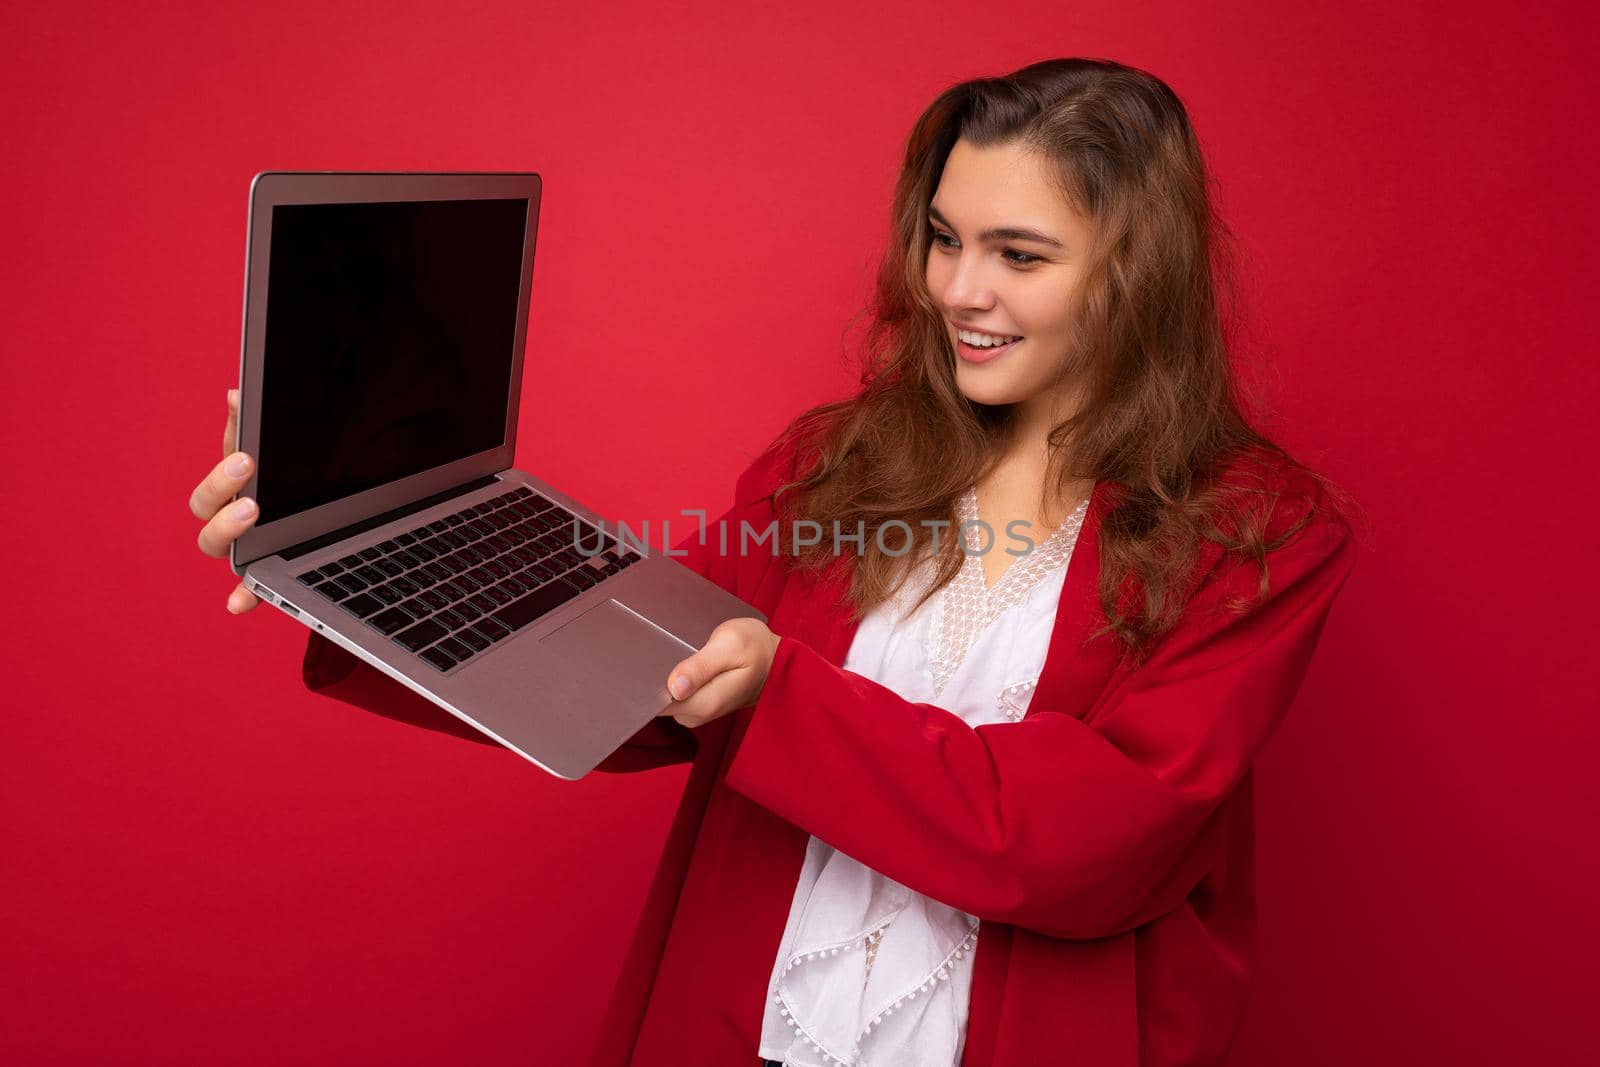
(726, 675)
(223, 525)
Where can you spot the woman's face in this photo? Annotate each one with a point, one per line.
(1009, 283)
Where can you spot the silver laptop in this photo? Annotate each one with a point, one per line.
(385, 319)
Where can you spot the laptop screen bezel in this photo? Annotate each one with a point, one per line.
(271, 188)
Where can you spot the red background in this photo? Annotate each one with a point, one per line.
(206, 863)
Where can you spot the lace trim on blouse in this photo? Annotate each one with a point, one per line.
(967, 605)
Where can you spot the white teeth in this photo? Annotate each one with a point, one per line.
(984, 340)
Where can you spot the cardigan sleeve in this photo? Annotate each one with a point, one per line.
(1073, 828)
(328, 670)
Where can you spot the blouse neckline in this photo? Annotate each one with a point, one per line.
(1039, 560)
(967, 605)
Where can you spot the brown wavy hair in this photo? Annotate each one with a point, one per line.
(1161, 413)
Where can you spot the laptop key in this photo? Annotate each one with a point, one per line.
(434, 598)
(450, 620)
(439, 659)
(350, 562)
(369, 554)
(363, 605)
(369, 574)
(455, 648)
(333, 591)
(423, 633)
(391, 620)
(498, 595)
(455, 589)
(389, 567)
(406, 586)
(416, 607)
(491, 629)
(588, 543)
(351, 582)
(474, 639)
(523, 610)
(582, 576)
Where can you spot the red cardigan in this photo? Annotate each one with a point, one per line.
(1104, 841)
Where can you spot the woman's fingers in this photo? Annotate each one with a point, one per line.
(210, 501)
(225, 479)
(230, 432)
(218, 535)
(242, 600)
(718, 676)
(728, 646)
(725, 692)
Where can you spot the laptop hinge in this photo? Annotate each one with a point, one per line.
(324, 540)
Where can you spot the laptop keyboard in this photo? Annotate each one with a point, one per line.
(450, 589)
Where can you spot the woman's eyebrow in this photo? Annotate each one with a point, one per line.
(1001, 233)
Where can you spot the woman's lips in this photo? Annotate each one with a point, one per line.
(974, 354)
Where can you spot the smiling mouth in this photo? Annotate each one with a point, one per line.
(982, 354)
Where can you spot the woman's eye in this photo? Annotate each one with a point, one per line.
(1023, 259)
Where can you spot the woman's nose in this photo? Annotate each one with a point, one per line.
(967, 287)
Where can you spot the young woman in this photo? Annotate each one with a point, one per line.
(980, 792)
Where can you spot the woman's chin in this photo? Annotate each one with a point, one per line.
(995, 394)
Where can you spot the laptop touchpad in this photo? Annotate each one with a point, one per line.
(623, 651)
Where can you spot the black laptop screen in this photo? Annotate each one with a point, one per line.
(388, 343)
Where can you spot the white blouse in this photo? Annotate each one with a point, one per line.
(870, 972)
